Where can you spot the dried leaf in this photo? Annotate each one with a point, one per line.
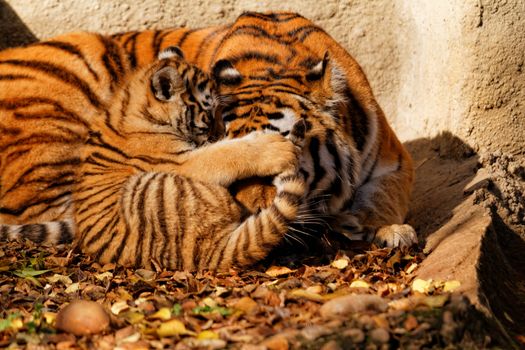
(163, 314)
(207, 335)
(450, 286)
(340, 263)
(301, 293)
(171, 328)
(118, 307)
(422, 286)
(359, 284)
(73, 288)
(275, 271)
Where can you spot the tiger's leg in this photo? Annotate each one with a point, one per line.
(379, 207)
(227, 161)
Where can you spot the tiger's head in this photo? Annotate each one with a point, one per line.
(175, 98)
(272, 98)
(267, 92)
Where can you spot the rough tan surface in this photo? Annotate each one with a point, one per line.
(434, 65)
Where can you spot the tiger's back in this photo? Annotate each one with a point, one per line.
(50, 93)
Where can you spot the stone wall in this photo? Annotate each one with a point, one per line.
(454, 65)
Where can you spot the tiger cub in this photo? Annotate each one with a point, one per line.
(152, 191)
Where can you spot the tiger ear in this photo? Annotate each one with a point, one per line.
(169, 52)
(330, 81)
(318, 71)
(165, 83)
(225, 73)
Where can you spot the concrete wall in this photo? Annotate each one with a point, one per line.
(455, 65)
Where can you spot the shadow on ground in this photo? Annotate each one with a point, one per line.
(13, 32)
(460, 213)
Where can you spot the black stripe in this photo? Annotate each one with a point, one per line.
(72, 50)
(141, 214)
(121, 213)
(254, 55)
(184, 37)
(301, 33)
(112, 60)
(111, 238)
(181, 216)
(163, 224)
(14, 77)
(60, 73)
(249, 30)
(159, 37)
(132, 54)
(16, 103)
(358, 118)
(4, 230)
(23, 208)
(271, 17)
(66, 235)
(319, 171)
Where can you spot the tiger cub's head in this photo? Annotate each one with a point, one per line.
(174, 97)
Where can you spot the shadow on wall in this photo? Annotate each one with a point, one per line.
(444, 165)
(13, 32)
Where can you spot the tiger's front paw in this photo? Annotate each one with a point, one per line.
(272, 154)
(394, 236)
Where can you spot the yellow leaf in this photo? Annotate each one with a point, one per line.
(275, 271)
(163, 314)
(340, 263)
(411, 268)
(207, 335)
(103, 276)
(209, 302)
(73, 288)
(60, 278)
(49, 317)
(315, 289)
(118, 307)
(17, 324)
(301, 293)
(450, 286)
(171, 328)
(435, 300)
(132, 317)
(422, 286)
(359, 284)
(332, 286)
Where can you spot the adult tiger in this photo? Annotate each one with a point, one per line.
(277, 68)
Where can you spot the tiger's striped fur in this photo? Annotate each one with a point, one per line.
(50, 93)
(278, 68)
(151, 194)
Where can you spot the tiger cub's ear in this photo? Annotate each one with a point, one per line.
(165, 83)
(329, 80)
(225, 73)
(169, 52)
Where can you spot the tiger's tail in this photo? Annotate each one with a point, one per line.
(48, 233)
(261, 232)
